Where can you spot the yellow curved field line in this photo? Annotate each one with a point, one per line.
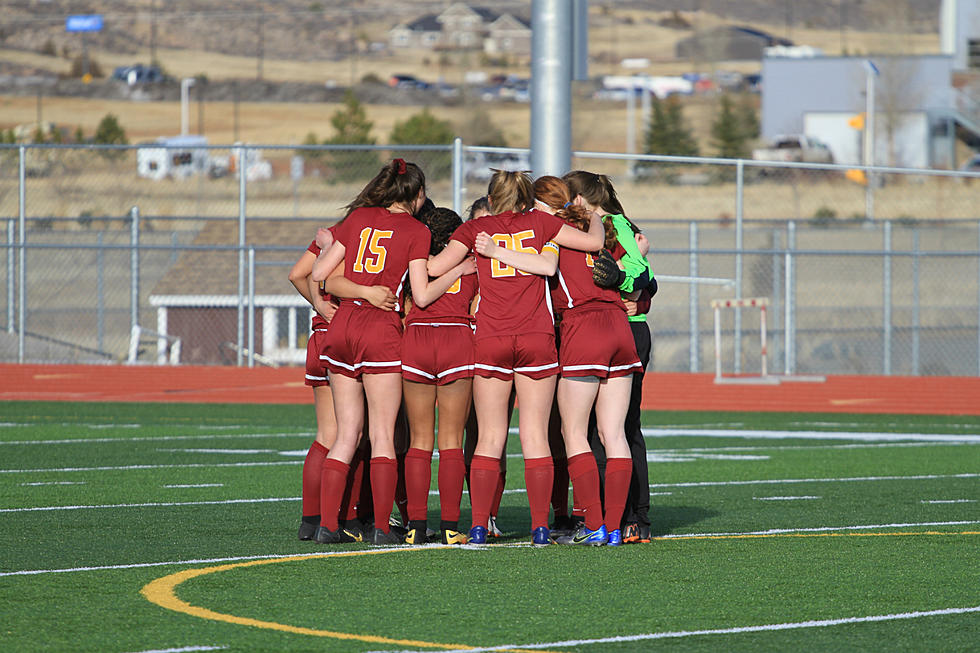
(162, 592)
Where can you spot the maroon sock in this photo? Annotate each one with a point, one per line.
(452, 469)
(332, 482)
(484, 472)
(584, 472)
(498, 493)
(619, 471)
(559, 491)
(312, 473)
(418, 478)
(401, 492)
(539, 477)
(384, 478)
(352, 491)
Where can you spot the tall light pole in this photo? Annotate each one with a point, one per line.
(185, 84)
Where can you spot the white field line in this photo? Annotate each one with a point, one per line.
(184, 649)
(811, 435)
(325, 554)
(822, 623)
(161, 438)
(780, 481)
(510, 491)
(123, 468)
(803, 498)
(156, 504)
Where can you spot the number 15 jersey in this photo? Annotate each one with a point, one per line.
(378, 246)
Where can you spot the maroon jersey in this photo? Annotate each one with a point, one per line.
(573, 285)
(453, 306)
(512, 302)
(379, 245)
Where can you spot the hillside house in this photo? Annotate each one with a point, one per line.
(463, 27)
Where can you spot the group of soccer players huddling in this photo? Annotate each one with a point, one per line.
(421, 318)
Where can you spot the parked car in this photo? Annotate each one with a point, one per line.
(796, 148)
(138, 74)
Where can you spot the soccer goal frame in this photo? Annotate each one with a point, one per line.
(761, 303)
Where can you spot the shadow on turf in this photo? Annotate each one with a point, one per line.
(664, 519)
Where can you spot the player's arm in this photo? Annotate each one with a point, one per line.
(340, 286)
(444, 261)
(637, 270)
(299, 276)
(425, 290)
(586, 241)
(543, 264)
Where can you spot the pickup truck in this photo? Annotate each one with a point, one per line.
(797, 148)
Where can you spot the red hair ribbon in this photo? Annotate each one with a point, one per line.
(401, 166)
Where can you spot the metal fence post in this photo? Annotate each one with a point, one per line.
(692, 270)
(739, 244)
(11, 229)
(240, 337)
(916, 309)
(458, 175)
(134, 267)
(886, 300)
(22, 253)
(251, 307)
(790, 309)
(100, 293)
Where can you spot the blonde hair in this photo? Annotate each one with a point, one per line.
(511, 191)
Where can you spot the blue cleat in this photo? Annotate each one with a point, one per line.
(583, 535)
(541, 536)
(615, 538)
(478, 535)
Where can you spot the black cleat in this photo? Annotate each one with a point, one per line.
(416, 536)
(307, 530)
(340, 536)
(382, 538)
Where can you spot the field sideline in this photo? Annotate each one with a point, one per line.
(131, 526)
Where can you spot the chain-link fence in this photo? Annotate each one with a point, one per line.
(169, 254)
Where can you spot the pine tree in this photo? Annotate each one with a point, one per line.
(425, 129)
(728, 132)
(352, 127)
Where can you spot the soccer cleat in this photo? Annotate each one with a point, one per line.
(631, 533)
(478, 535)
(453, 537)
(615, 538)
(583, 535)
(492, 527)
(563, 525)
(416, 536)
(340, 536)
(541, 536)
(307, 530)
(644, 534)
(382, 538)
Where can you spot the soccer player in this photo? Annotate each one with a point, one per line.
(596, 193)
(437, 368)
(380, 243)
(515, 339)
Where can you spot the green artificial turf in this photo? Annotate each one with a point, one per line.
(766, 534)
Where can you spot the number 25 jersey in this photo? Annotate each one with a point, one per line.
(512, 302)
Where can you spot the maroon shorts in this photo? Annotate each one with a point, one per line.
(597, 342)
(532, 355)
(363, 340)
(316, 369)
(437, 353)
